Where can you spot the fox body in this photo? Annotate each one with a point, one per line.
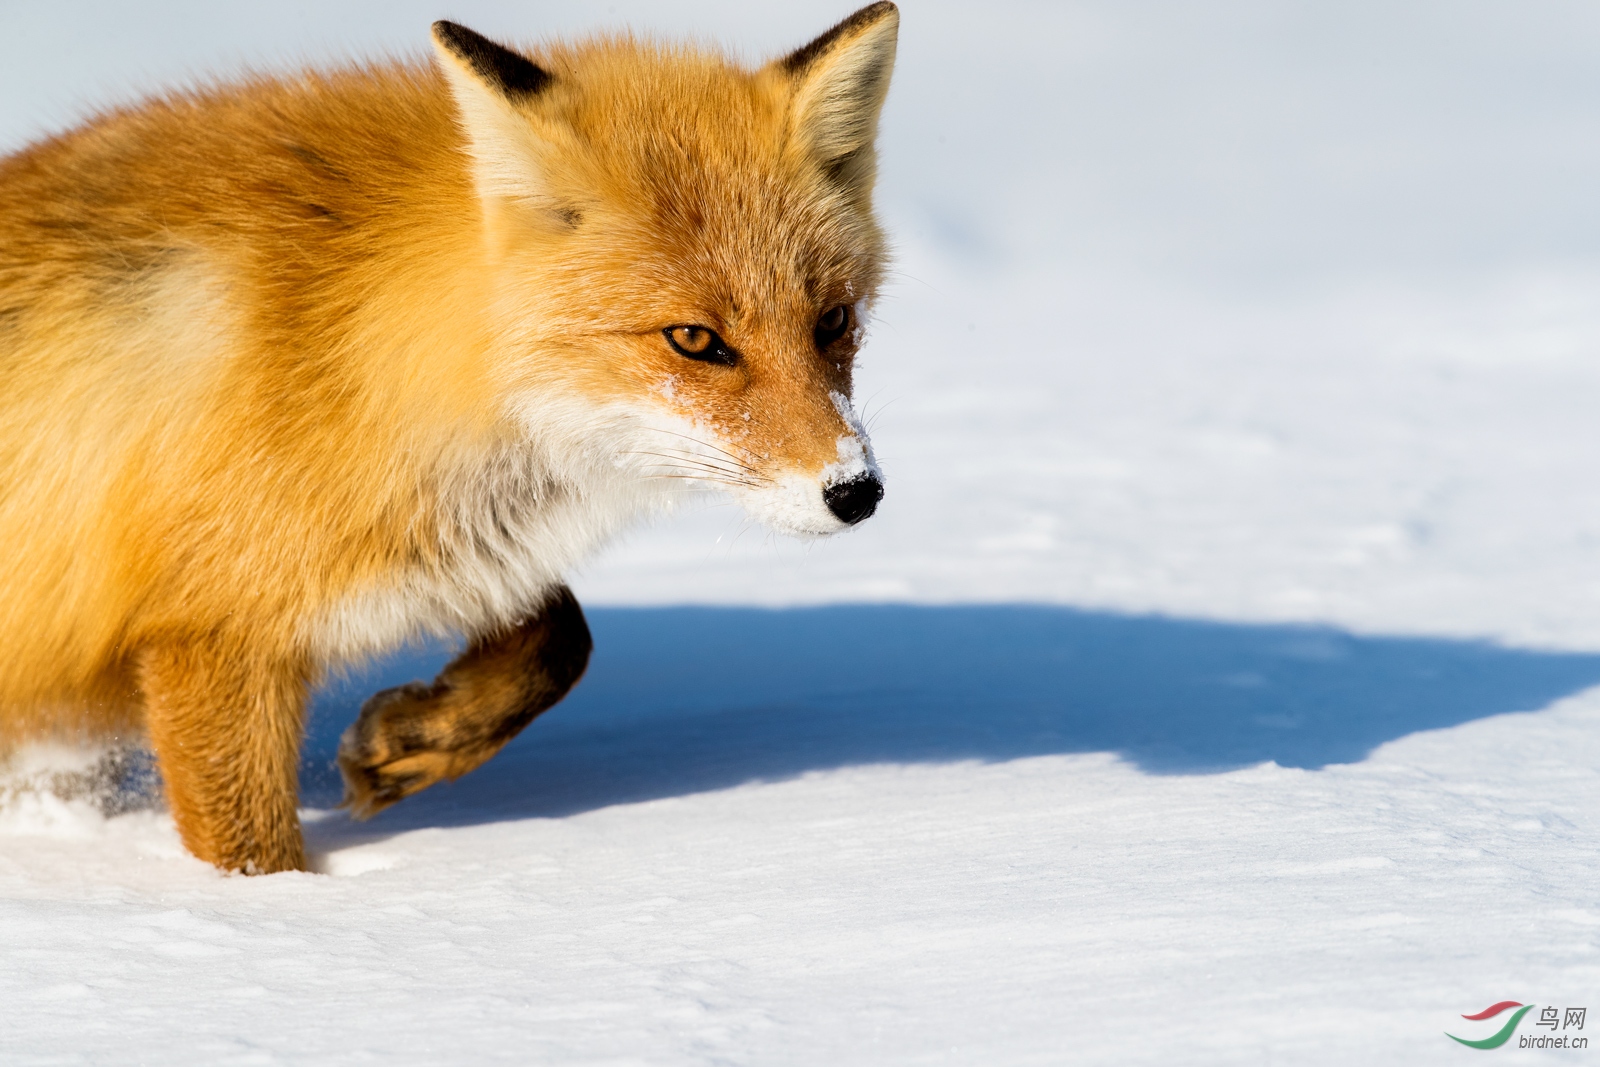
(294, 369)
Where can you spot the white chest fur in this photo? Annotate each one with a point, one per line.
(510, 527)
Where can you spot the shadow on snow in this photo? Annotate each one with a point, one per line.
(682, 700)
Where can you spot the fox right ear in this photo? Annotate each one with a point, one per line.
(497, 91)
(837, 87)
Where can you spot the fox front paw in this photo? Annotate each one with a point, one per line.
(393, 750)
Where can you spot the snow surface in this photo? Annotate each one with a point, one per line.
(1215, 685)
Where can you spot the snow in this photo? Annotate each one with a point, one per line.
(1216, 682)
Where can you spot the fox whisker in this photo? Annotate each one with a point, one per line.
(713, 447)
(680, 469)
(703, 466)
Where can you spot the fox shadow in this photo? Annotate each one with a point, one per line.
(683, 700)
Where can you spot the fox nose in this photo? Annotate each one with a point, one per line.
(854, 500)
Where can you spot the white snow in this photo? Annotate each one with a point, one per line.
(1254, 348)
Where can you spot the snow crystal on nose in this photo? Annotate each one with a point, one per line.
(855, 448)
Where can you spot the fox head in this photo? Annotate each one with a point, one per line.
(688, 248)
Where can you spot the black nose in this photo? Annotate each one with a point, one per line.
(854, 500)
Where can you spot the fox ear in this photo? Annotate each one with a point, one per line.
(837, 86)
(497, 91)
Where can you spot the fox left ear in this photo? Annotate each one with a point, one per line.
(837, 84)
(498, 92)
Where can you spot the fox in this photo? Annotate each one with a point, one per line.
(299, 368)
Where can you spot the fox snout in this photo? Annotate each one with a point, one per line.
(816, 507)
(816, 504)
(852, 486)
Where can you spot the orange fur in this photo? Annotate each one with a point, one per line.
(296, 367)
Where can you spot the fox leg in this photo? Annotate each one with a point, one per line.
(226, 733)
(408, 738)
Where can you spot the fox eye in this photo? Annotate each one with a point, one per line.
(834, 324)
(698, 342)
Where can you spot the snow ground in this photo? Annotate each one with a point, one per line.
(1216, 684)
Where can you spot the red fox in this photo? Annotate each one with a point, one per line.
(299, 368)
